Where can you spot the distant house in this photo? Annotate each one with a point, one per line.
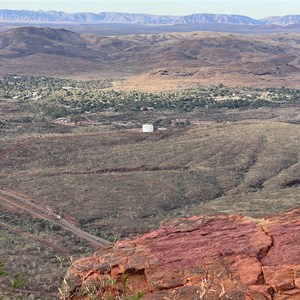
(147, 128)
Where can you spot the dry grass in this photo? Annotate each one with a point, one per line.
(148, 82)
(244, 167)
(215, 162)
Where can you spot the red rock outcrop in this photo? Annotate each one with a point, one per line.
(206, 257)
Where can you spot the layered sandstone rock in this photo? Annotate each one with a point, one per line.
(206, 257)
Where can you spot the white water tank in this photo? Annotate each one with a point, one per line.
(147, 128)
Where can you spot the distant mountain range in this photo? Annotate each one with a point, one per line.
(142, 19)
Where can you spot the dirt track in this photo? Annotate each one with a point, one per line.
(43, 211)
(54, 247)
(125, 169)
(14, 149)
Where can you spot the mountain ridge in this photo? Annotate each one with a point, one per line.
(7, 15)
(209, 57)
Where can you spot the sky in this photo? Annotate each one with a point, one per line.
(255, 8)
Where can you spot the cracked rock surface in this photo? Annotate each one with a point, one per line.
(205, 257)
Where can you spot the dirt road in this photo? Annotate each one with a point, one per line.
(45, 212)
(16, 148)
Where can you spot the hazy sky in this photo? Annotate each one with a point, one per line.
(254, 8)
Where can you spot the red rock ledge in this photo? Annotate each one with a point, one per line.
(206, 257)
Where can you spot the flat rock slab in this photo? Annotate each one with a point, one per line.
(208, 257)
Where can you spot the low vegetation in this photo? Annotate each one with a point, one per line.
(61, 98)
(220, 149)
(35, 254)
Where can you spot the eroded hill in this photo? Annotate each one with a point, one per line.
(153, 61)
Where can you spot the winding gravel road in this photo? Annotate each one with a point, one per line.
(44, 212)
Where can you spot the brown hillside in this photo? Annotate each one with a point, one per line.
(126, 182)
(116, 183)
(198, 57)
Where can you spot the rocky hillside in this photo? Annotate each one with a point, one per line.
(216, 257)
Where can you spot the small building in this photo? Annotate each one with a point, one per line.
(147, 128)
